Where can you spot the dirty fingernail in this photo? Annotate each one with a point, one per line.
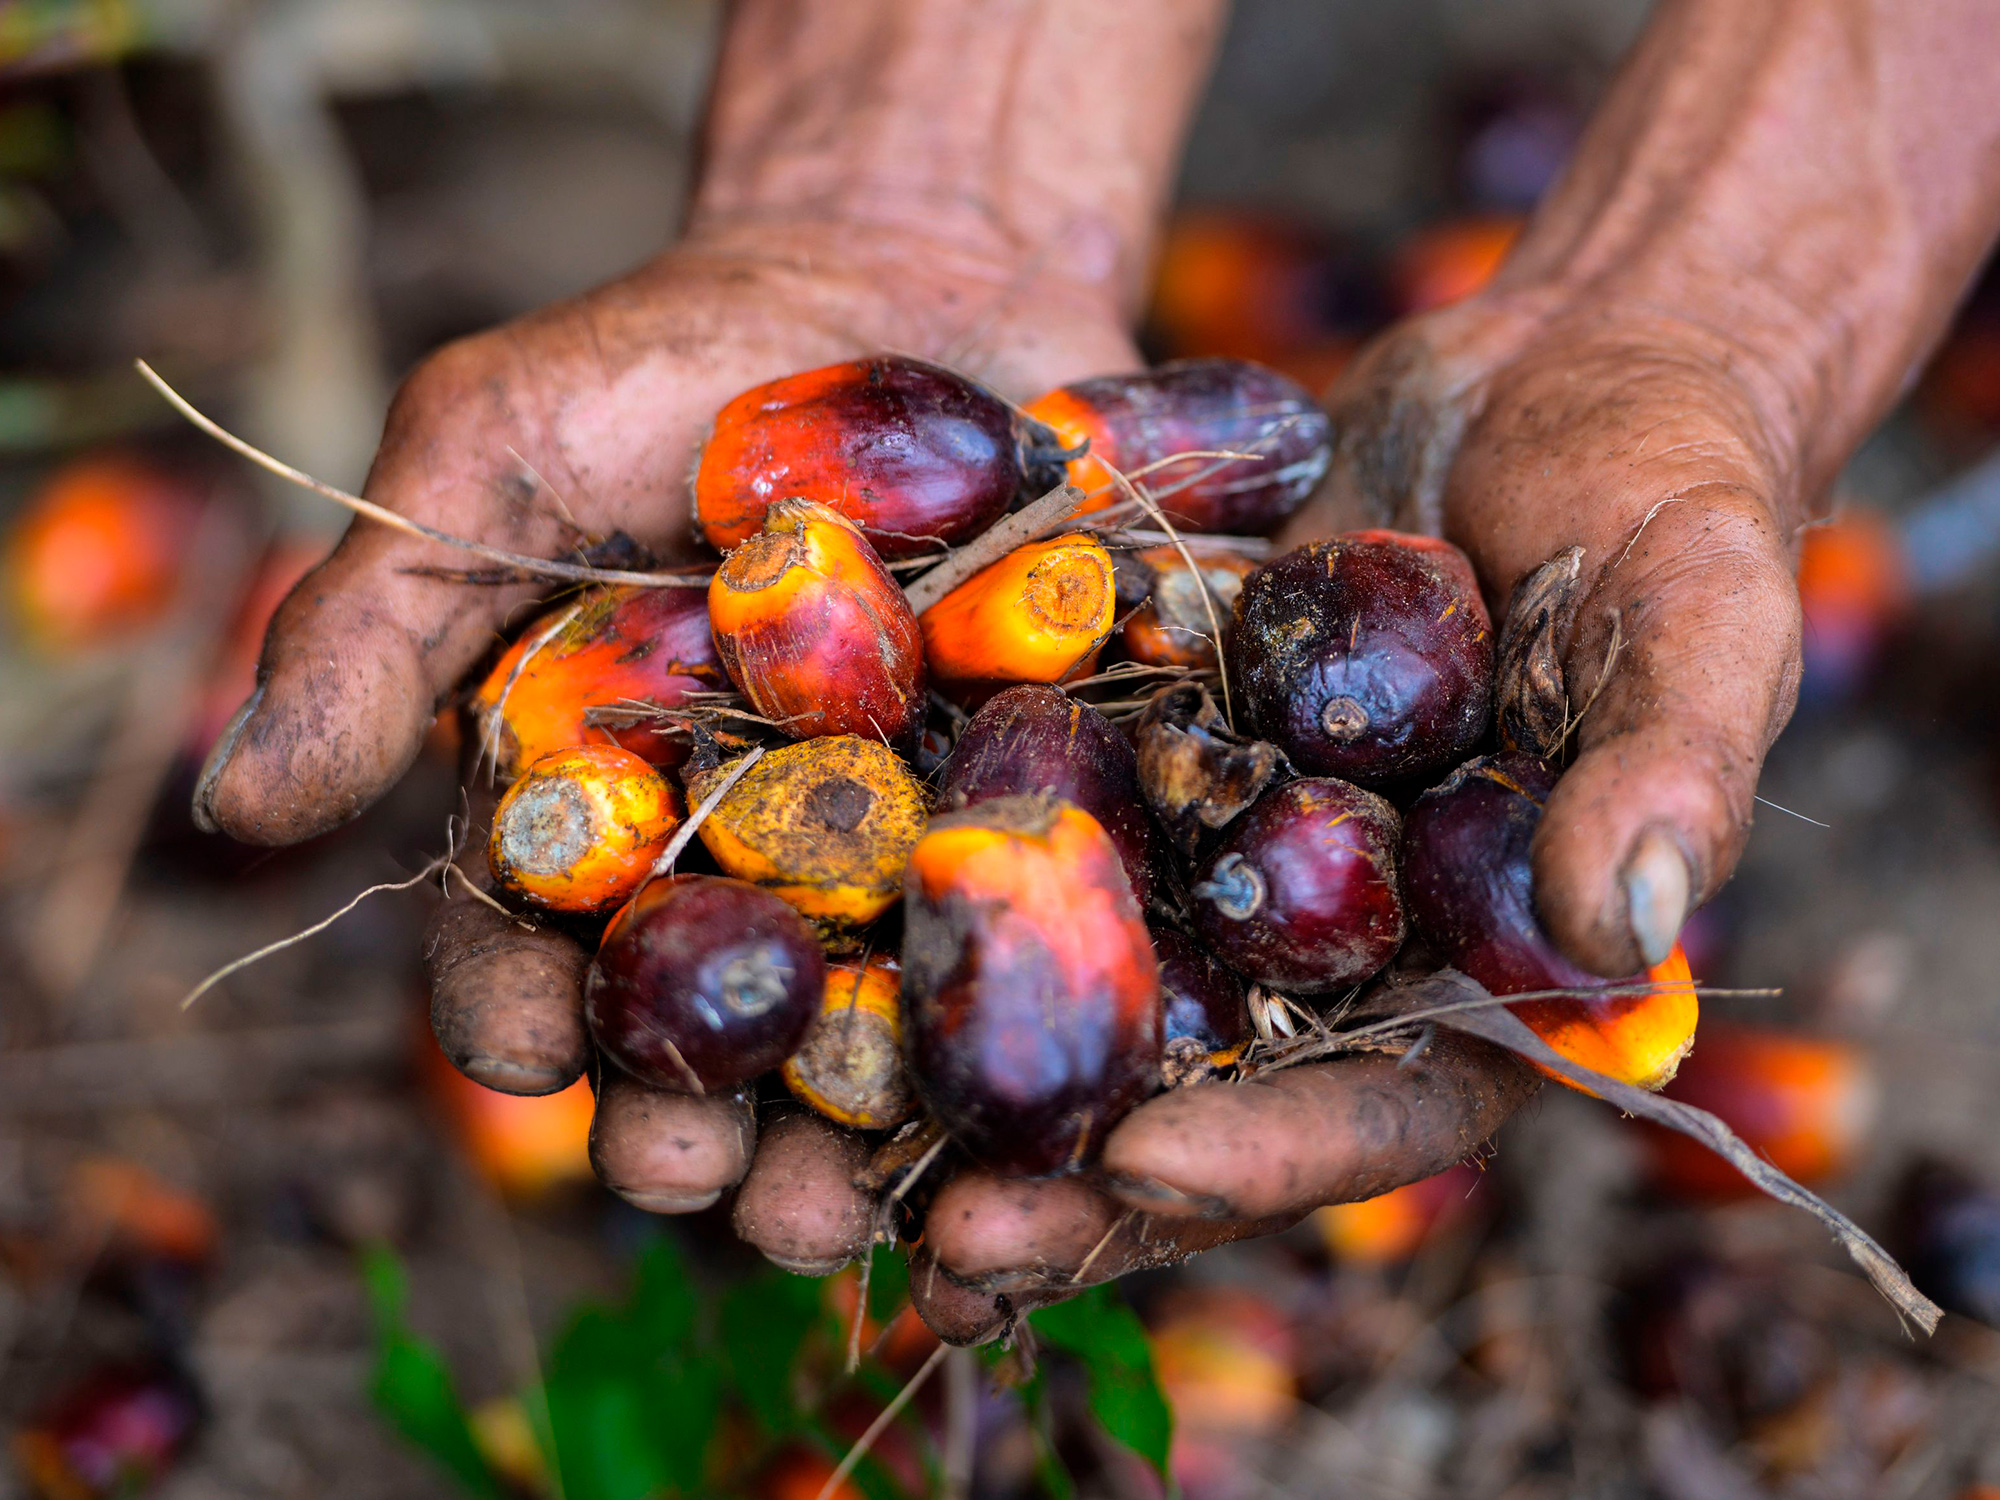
(1161, 1198)
(807, 1267)
(1656, 894)
(656, 1201)
(218, 762)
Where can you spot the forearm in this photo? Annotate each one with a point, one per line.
(1808, 183)
(1020, 132)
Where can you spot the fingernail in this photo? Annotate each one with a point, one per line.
(1656, 894)
(659, 1201)
(1162, 1198)
(218, 762)
(807, 1267)
(505, 1076)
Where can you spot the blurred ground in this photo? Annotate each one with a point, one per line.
(286, 210)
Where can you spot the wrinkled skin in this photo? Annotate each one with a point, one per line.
(1700, 326)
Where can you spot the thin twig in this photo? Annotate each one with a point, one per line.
(881, 1424)
(1030, 523)
(860, 1308)
(1098, 1249)
(709, 803)
(546, 567)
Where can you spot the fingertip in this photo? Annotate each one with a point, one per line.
(1009, 1233)
(799, 1205)
(956, 1314)
(669, 1153)
(506, 999)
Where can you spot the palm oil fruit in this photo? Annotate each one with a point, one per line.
(1031, 995)
(1368, 656)
(1197, 406)
(1301, 893)
(815, 632)
(1173, 628)
(1195, 773)
(826, 825)
(615, 649)
(850, 1067)
(1204, 1015)
(917, 456)
(580, 829)
(1037, 615)
(1466, 875)
(703, 982)
(1036, 739)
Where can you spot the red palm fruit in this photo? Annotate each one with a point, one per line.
(1196, 405)
(1393, 1226)
(703, 982)
(1037, 615)
(1804, 1104)
(815, 633)
(1205, 1020)
(1467, 877)
(1030, 991)
(1368, 657)
(850, 1067)
(526, 1145)
(580, 829)
(1448, 262)
(114, 1433)
(98, 551)
(1301, 893)
(1035, 739)
(613, 650)
(914, 454)
(1172, 628)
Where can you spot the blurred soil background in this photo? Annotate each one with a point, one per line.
(283, 205)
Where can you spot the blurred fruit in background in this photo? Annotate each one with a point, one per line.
(233, 676)
(96, 554)
(526, 1146)
(112, 1434)
(1854, 588)
(1392, 1227)
(1805, 1104)
(119, 1205)
(1448, 262)
(1947, 1233)
(1228, 1362)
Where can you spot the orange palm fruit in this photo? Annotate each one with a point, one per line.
(1037, 615)
(1172, 628)
(916, 455)
(1392, 1226)
(850, 1067)
(525, 1145)
(98, 551)
(1805, 1104)
(826, 824)
(1448, 262)
(815, 632)
(580, 829)
(1470, 891)
(1132, 422)
(1030, 990)
(585, 671)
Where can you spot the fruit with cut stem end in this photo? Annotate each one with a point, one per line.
(587, 671)
(1803, 1103)
(850, 1067)
(1189, 406)
(1037, 615)
(827, 825)
(1195, 773)
(1031, 995)
(916, 455)
(702, 983)
(1301, 893)
(1467, 877)
(1172, 628)
(814, 631)
(580, 829)
(1036, 739)
(1368, 657)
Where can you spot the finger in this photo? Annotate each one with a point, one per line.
(1285, 1142)
(1048, 1239)
(799, 1205)
(957, 1314)
(669, 1153)
(1651, 818)
(506, 997)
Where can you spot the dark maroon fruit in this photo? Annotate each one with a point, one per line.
(1368, 657)
(1467, 878)
(1201, 1000)
(1034, 739)
(1196, 775)
(1199, 405)
(703, 982)
(1948, 1223)
(1301, 893)
(1031, 997)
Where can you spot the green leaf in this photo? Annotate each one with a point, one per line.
(411, 1385)
(888, 1283)
(1100, 1330)
(765, 1320)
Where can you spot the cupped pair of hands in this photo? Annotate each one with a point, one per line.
(1517, 423)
